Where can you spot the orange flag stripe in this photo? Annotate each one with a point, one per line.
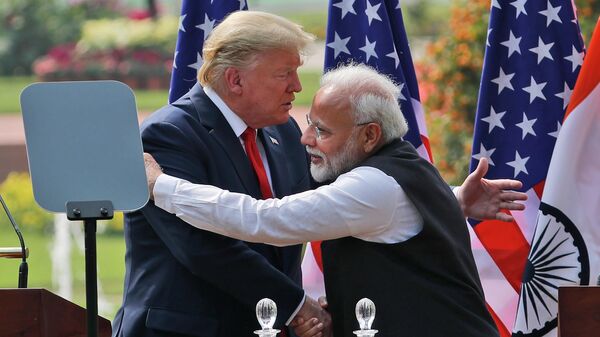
(589, 76)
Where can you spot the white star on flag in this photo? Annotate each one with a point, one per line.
(401, 87)
(565, 95)
(369, 49)
(503, 81)
(542, 50)
(196, 65)
(576, 58)
(494, 119)
(555, 133)
(339, 45)
(347, 6)
(551, 14)
(535, 90)
(513, 44)
(175, 59)
(181, 18)
(394, 55)
(518, 164)
(483, 153)
(371, 12)
(207, 26)
(519, 6)
(526, 126)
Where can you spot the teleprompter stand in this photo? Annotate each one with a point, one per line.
(89, 212)
(85, 159)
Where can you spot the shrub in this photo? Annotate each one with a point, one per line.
(115, 34)
(587, 13)
(138, 52)
(456, 57)
(18, 195)
(17, 192)
(29, 28)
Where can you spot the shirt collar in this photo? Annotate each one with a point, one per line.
(237, 124)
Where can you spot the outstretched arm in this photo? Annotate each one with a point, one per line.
(482, 198)
(329, 212)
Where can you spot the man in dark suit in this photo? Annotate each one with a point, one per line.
(181, 281)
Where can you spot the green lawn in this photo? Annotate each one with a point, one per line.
(10, 90)
(147, 100)
(111, 266)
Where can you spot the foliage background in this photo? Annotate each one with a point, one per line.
(29, 28)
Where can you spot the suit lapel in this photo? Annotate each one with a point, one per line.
(288, 257)
(277, 162)
(222, 133)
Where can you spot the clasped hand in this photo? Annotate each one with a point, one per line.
(312, 319)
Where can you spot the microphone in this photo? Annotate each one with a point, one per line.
(23, 268)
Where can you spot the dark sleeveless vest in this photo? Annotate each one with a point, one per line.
(427, 286)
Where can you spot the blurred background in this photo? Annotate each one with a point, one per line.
(133, 41)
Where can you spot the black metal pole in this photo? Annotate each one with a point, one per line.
(91, 283)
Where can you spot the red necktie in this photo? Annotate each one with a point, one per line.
(249, 137)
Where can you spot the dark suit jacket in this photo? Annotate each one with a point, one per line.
(182, 281)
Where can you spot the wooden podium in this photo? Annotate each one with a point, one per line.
(40, 313)
(579, 311)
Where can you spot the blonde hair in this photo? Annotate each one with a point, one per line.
(241, 37)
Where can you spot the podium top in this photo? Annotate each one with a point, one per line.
(39, 313)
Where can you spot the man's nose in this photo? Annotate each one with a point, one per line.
(309, 136)
(295, 85)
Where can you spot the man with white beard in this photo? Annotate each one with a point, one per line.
(393, 230)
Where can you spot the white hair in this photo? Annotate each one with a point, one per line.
(373, 97)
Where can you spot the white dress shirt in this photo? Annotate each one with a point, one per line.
(238, 126)
(364, 203)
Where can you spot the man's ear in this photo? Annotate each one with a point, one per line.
(233, 80)
(372, 137)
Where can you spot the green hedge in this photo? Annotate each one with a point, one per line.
(108, 34)
(29, 28)
(17, 192)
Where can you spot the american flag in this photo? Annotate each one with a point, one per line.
(534, 52)
(197, 20)
(371, 32)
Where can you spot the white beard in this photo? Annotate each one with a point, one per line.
(333, 166)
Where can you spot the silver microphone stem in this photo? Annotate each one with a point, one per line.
(23, 268)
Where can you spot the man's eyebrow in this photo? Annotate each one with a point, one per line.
(318, 123)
